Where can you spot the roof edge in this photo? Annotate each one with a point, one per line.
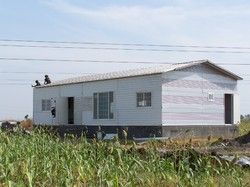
(182, 66)
(217, 67)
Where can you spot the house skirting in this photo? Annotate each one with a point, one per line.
(225, 131)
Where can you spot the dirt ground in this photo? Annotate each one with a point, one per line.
(239, 146)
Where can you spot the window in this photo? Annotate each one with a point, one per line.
(210, 97)
(144, 99)
(46, 105)
(103, 105)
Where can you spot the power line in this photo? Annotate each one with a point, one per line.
(124, 49)
(102, 61)
(81, 60)
(64, 73)
(45, 72)
(29, 84)
(123, 44)
(18, 80)
(20, 84)
(31, 80)
(242, 74)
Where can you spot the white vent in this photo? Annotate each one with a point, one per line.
(210, 97)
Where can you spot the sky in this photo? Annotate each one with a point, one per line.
(179, 22)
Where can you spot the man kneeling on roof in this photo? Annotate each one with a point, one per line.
(37, 84)
(47, 80)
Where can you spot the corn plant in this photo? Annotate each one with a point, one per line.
(44, 159)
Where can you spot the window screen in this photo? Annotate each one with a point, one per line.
(95, 105)
(111, 105)
(103, 105)
(144, 99)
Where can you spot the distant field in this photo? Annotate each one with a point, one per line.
(45, 160)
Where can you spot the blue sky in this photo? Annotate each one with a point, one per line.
(186, 22)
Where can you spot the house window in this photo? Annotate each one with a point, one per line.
(144, 99)
(103, 105)
(46, 105)
(210, 97)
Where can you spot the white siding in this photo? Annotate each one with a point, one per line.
(236, 99)
(74, 90)
(62, 110)
(88, 90)
(185, 96)
(78, 107)
(178, 98)
(126, 112)
(39, 116)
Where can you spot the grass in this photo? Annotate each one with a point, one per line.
(244, 127)
(46, 160)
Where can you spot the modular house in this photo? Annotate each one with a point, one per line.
(197, 97)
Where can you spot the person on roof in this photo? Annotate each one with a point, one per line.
(47, 80)
(37, 84)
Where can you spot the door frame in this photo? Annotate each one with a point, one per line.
(71, 111)
(226, 112)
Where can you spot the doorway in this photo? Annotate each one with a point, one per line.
(229, 109)
(70, 110)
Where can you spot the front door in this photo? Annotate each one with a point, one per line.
(229, 109)
(70, 110)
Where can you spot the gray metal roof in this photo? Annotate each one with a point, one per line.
(139, 72)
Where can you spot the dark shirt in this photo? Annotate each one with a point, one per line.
(37, 84)
(47, 80)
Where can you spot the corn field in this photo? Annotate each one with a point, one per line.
(44, 159)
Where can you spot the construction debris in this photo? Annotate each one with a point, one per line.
(13, 126)
(26, 125)
(243, 161)
(245, 139)
(9, 126)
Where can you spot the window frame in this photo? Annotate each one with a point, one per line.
(144, 93)
(96, 106)
(46, 105)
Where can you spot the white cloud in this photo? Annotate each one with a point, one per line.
(132, 15)
(137, 13)
(166, 23)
